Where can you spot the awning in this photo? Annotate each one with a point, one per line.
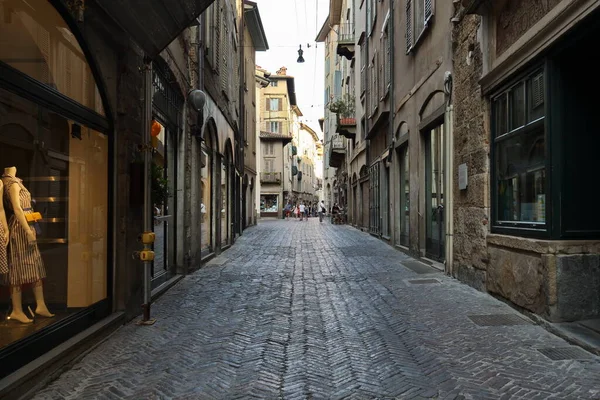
(153, 24)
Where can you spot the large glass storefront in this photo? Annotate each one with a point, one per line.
(54, 161)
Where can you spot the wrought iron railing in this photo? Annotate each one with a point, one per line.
(346, 33)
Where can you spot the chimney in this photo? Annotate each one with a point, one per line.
(282, 71)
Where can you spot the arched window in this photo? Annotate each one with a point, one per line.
(35, 40)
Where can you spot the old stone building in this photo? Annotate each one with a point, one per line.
(279, 125)
(81, 92)
(395, 63)
(525, 147)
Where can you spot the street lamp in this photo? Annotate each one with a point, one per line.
(300, 58)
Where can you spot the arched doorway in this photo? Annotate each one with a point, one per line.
(208, 198)
(364, 191)
(226, 204)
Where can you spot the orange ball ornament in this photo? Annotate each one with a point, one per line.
(156, 128)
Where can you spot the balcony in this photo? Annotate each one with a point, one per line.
(345, 43)
(270, 177)
(346, 125)
(337, 151)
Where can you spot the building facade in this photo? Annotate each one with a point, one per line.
(279, 125)
(254, 40)
(392, 107)
(79, 92)
(307, 181)
(524, 142)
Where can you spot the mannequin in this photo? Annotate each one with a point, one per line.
(3, 237)
(26, 265)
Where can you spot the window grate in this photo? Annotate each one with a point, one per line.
(428, 10)
(409, 32)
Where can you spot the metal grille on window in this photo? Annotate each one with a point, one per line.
(428, 10)
(409, 28)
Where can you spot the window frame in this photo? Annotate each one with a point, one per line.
(522, 228)
(413, 38)
(271, 126)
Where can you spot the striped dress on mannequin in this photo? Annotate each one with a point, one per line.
(3, 255)
(25, 263)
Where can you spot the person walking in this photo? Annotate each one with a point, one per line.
(302, 211)
(322, 210)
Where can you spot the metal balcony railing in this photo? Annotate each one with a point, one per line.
(270, 177)
(346, 33)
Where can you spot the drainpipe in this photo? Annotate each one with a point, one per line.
(391, 118)
(147, 212)
(449, 152)
(242, 117)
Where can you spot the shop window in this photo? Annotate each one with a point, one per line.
(46, 50)
(269, 203)
(520, 154)
(67, 181)
(206, 193)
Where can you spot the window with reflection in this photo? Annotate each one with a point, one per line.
(46, 50)
(520, 154)
(57, 168)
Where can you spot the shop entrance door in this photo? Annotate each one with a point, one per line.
(434, 193)
(164, 221)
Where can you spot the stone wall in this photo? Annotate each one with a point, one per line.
(516, 17)
(471, 147)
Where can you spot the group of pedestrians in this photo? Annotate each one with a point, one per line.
(299, 210)
(303, 211)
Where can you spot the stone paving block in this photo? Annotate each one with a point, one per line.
(321, 311)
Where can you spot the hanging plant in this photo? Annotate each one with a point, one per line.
(159, 185)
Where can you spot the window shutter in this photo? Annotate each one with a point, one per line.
(537, 90)
(268, 105)
(224, 52)
(409, 25)
(337, 84)
(217, 37)
(428, 10)
(280, 104)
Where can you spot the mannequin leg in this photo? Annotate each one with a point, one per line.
(17, 306)
(41, 308)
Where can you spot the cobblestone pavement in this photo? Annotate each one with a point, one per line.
(303, 310)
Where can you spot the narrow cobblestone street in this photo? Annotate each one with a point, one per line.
(303, 310)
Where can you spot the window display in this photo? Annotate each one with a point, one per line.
(269, 203)
(53, 254)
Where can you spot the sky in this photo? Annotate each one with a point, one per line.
(289, 24)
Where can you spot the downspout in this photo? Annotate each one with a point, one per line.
(147, 212)
(391, 120)
(449, 151)
(242, 115)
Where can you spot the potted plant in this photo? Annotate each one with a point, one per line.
(159, 188)
(344, 107)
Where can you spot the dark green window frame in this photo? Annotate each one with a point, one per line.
(521, 183)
